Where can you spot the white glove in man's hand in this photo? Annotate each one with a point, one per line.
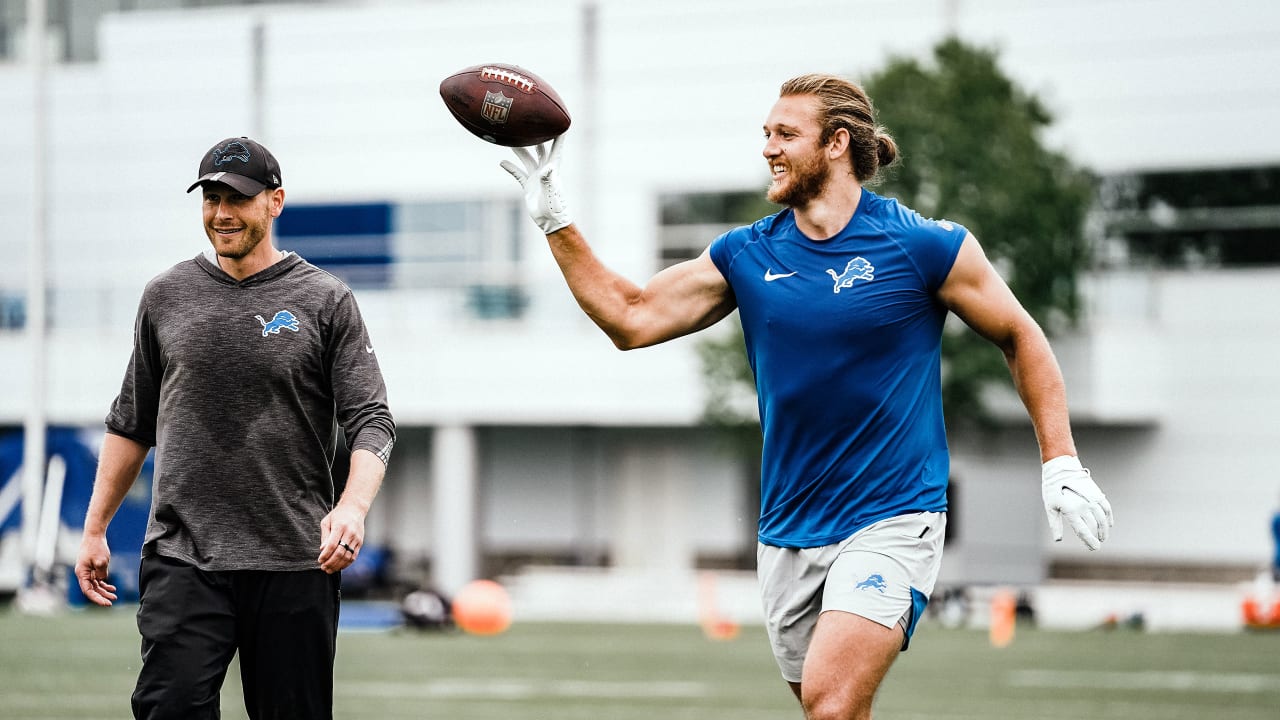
(1069, 492)
(541, 183)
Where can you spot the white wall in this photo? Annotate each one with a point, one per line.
(1204, 485)
(352, 111)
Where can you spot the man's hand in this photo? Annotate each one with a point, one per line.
(1069, 492)
(341, 537)
(91, 570)
(541, 183)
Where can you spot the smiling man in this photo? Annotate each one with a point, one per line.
(246, 363)
(842, 298)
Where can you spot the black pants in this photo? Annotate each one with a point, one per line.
(284, 625)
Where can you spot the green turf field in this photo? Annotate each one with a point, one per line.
(82, 665)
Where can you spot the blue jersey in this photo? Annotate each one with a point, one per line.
(844, 338)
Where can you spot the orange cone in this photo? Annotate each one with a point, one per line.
(1003, 618)
(715, 626)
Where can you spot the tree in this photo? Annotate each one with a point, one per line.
(971, 152)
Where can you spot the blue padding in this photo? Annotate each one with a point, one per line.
(350, 240)
(128, 526)
(337, 219)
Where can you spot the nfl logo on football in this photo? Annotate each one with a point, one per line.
(496, 107)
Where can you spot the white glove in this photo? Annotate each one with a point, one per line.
(1070, 492)
(541, 183)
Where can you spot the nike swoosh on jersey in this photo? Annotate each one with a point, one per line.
(769, 275)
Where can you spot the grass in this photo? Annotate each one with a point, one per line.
(82, 665)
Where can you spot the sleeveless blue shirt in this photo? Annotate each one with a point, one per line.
(844, 338)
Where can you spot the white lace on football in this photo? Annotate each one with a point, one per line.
(517, 81)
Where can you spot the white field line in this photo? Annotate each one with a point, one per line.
(516, 689)
(1171, 680)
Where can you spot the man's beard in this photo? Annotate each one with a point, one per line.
(806, 181)
(253, 235)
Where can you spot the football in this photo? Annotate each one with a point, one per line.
(505, 105)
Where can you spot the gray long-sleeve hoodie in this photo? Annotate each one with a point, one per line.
(241, 386)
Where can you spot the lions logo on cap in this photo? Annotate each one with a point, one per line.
(231, 151)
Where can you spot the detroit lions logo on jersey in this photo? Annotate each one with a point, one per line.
(857, 269)
(283, 320)
(875, 581)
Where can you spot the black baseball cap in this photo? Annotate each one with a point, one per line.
(241, 163)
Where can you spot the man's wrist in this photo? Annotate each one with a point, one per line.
(1061, 462)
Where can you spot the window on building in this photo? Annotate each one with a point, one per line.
(73, 24)
(352, 241)
(690, 221)
(470, 247)
(12, 13)
(1195, 218)
(13, 310)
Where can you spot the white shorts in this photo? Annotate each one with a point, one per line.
(885, 572)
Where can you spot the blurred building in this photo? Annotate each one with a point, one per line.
(524, 436)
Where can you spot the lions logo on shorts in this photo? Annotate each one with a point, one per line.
(874, 581)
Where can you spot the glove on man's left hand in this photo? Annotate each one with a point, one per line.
(540, 179)
(1069, 492)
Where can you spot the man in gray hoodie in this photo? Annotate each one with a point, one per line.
(246, 362)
